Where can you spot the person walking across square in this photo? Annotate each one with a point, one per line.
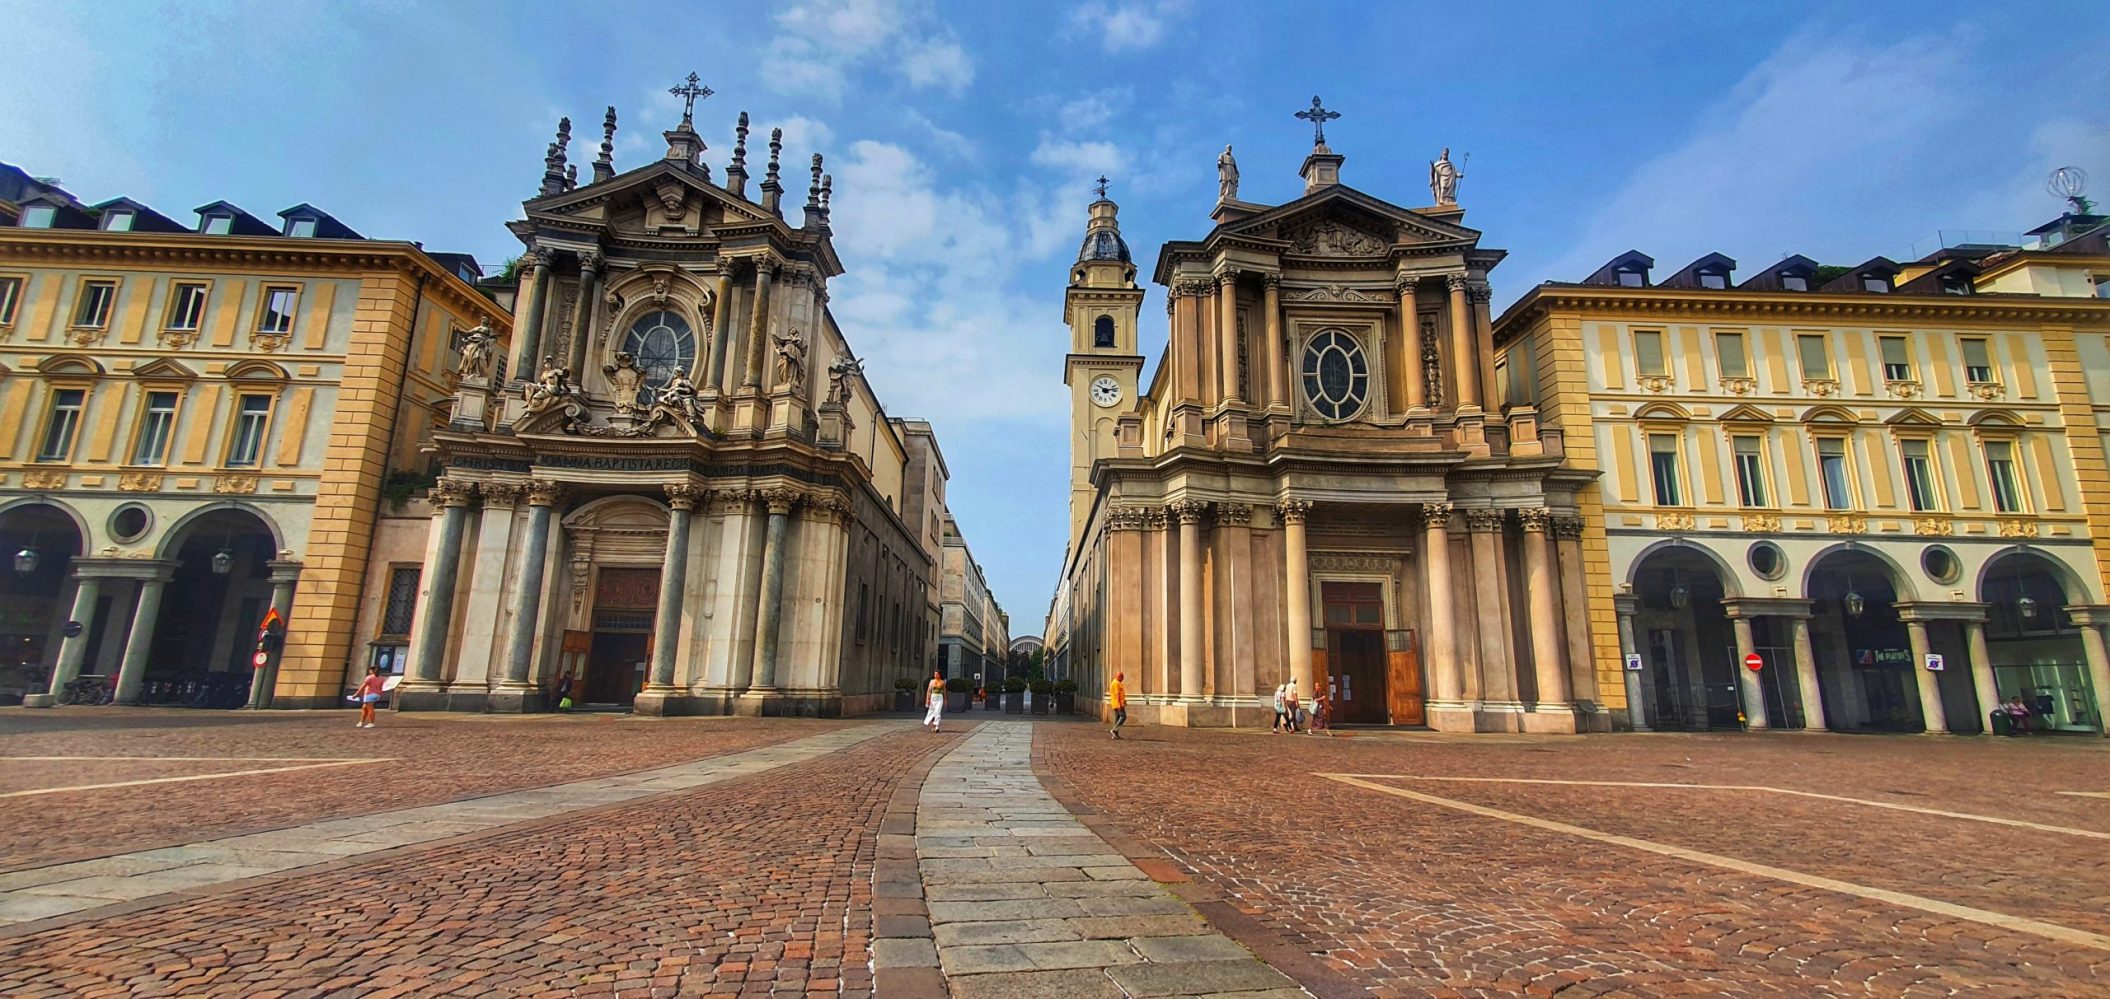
(1280, 709)
(369, 695)
(934, 698)
(1117, 699)
(1292, 706)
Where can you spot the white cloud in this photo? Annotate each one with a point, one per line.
(1082, 114)
(1089, 158)
(1790, 158)
(1126, 25)
(821, 42)
(951, 142)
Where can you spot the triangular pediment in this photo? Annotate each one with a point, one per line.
(1745, 413)
(1342, 221)
(1912, 418)
(163, 369)
(662, 189)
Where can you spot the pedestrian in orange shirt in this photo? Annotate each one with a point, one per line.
(1117, 699)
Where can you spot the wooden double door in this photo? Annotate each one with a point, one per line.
(1371, 684)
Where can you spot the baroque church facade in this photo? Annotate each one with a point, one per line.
(1315, 484)
(677, 492)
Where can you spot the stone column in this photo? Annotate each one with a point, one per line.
(1227, 335)
(1190, 515)
(1549, 659)
(2090, 620)
(758, 325)
(1754, 696)
(582, 311)
(1498, 673)
(527, 336)
(1477, 295)
(780, 502)
(721, 330)
(1567, 532)
(1465, 358)
(87, 590)
(1277, 366)
(1185, 345)
(1447, 709)
(1982, 673)
(1636, 696)
(1296, 589)
(132, 673)
(1410, 326)
(527, 600)
(673, 580)
(284, 574)
(429, 652)
(1937, 718)
(1806, 678)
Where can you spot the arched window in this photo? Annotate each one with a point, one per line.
(1336, 375)
(662, 343)
(1103, 332)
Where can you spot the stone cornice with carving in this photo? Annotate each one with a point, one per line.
(1189, 511)
(450, 491)
(500, 492)
(235, 483)
(1293, 511)
(1234, 514)
(139, 482)
(685, 495)
(1480, 520)
(1386, 562)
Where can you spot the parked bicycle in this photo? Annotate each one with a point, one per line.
(86, 690)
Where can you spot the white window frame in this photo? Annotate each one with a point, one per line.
(10, 297)
(1753, 490)
(265, 310)
(106, 303)
(151, 440)
(2017, 482)
(1846, 470)
(1922, 492)
(1676, 481)
(72, 415)
(239, 430)
(175, 320)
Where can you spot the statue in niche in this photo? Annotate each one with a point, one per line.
(839, 375)
(477, 349)
(626, 378)
(1226, 176)
(1444, 177)
(791, 360)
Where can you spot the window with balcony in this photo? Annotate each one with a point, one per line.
(61, 424)
(156, 424)
(1920, 490)
(1663, 469)
(186, 305)
(251, 420)
(1834, 474)
(2000, 471)
(1750, 455)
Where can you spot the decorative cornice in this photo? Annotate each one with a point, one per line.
(1806, 307)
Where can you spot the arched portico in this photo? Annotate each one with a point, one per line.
(223, 575)
(1871, 638)
(40, 539)
(1675, 621)
(2033, 646)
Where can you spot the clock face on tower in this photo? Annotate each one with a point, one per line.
(1105, 391)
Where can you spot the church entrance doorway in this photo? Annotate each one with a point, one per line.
(625, 602)
(1355, 652)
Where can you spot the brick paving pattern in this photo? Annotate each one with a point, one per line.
(437, 758)
(758, 886)
(1409, 898)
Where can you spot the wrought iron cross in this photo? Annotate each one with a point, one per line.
(1318, 116)
(689, 91)
(1102, 187)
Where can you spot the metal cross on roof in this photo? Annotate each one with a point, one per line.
(1318, 116)
(1102, 187)
(688, 92)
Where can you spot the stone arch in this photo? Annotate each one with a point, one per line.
(1829, 414)
(1900, 580)
(76, 365)
(80, 523)
(1732, 583)
(173, 536)
(1994, 418)
(658, 286)
(1662, 412)
(2072, 583)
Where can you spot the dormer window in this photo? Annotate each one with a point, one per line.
(300, 228)
(1955, 284)
(1794, 282)
(1714, 279)
(1629, 278)
(118, 220)
(219, 225)
(1875, 283)
(39, 216)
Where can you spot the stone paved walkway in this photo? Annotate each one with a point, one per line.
(1023, 900)
(41, 893)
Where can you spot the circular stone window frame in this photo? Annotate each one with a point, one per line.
(1310, 377)
(146, 525)
(1955, 564)
(1780, 556)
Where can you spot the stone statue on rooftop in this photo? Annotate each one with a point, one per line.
(1226, 176)
(1443, 179)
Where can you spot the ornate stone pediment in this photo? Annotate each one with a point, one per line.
(1336, 293)
(1320, 220)
(1331, 238)
(666, 193)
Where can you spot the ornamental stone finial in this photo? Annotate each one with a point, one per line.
(604, 164)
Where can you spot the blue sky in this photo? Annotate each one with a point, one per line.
(963, 138)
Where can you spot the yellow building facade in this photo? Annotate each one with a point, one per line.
(1868, 499)
(195, 425)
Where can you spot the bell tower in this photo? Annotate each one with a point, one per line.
(1100, 306)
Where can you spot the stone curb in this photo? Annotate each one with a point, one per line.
(900, 915)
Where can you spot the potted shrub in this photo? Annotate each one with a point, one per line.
(1043, 692)
(904, 694)
(1066, 696)
(1015, 695)
(959, 690)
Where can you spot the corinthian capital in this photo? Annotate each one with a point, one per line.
(1455, 282)
(1535, 519)
(1567, 527)
(1293, 511)
(450, 491)
(685, 495)
(1190, 511)
(1483, 519)
(1234, 514)
(1437, 514)
(543, 492)
(780, 500)
(500, 493)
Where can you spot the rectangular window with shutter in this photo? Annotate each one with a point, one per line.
(1897, 359)
(1919, 475)
(1663, 467)
(1648, 353)
(1977, 361)
(1750, 452)
(1833, 473)
(1729, 353)
(1815, 354)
